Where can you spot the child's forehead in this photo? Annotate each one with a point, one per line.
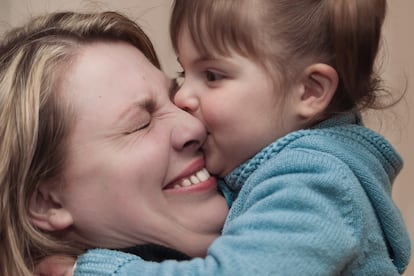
(219, 28)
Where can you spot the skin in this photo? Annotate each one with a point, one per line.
(55, 266)
(242, 106)
(237, 102)
(129, 147)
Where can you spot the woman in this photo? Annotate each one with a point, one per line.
(94, 153)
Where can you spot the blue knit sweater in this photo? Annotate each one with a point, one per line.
(315, 202)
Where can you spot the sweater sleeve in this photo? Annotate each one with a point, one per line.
(287, 220)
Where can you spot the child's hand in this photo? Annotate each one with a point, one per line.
(58, 265)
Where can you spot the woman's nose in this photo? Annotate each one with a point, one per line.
(188, 132)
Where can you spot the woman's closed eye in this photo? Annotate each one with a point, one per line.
(143, 116)
(143, 126)
(139, 127)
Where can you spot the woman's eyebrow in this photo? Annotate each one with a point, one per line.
(146, 104)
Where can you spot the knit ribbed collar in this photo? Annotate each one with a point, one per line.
(238, 177)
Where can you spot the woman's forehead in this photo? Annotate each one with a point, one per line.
(111, 80)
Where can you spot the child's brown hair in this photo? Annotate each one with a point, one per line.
(285, 36)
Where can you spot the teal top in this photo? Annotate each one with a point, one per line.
(315, 202)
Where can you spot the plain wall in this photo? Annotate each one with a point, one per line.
(152, 15)
(397, 66)
(399, 129)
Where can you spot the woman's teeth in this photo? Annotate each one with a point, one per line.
(200, 176)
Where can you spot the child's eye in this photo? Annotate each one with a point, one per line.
(213, 76)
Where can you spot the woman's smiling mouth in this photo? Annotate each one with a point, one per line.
(196, 178)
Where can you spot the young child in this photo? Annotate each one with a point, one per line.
(279, 85)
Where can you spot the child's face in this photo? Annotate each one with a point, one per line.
(237, 102)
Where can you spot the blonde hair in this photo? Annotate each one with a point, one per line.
(285, 36)
(35, 122)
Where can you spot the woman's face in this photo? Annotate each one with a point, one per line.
(129, 152)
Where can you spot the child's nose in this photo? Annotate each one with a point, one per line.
(188, 132)
(186, 99)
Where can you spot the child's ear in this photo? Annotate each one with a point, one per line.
(46, 211)
(319, 84)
